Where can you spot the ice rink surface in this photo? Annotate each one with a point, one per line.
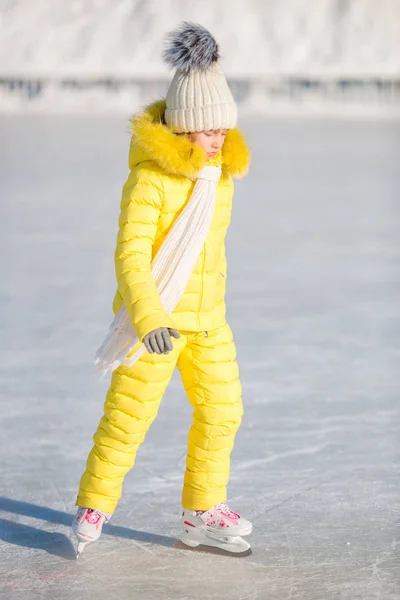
(313, 300)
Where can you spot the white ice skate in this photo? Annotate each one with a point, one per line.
(218, 527)
(87, 526)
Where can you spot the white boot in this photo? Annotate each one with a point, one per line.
(219, 527)
(87, 526)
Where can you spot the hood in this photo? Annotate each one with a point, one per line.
(175, 154)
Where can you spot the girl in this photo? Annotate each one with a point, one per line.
(171, 273)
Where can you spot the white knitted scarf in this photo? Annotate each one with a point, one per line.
(171, 269)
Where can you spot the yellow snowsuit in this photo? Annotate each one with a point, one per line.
(163, 169)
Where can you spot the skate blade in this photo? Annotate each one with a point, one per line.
(204, 549)
(80, 549)
(201, 537)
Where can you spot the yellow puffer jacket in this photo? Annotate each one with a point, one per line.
(163, 169)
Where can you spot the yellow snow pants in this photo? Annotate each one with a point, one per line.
(209, 371)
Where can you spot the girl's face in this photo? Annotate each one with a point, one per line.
(210, 141)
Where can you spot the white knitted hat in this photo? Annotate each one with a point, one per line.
(199, 98)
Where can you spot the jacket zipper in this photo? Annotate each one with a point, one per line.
(202, 278)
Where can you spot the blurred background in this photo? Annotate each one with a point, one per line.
(99, 55)
(313, 293)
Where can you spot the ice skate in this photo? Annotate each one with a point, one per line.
(87, 526)
(218, 527)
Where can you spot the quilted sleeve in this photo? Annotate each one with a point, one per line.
(140, 211)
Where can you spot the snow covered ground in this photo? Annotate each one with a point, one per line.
(313, 299)
(104, 56)
(270, 37)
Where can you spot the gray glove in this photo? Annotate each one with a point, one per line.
(159, 340)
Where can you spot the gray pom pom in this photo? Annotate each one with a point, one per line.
(190, 46)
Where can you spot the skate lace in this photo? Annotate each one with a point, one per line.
(216, 516)
(93, 516)
(225, 511)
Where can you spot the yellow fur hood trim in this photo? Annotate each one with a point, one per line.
(175, 154)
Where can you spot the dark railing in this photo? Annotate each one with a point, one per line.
(345, 89)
